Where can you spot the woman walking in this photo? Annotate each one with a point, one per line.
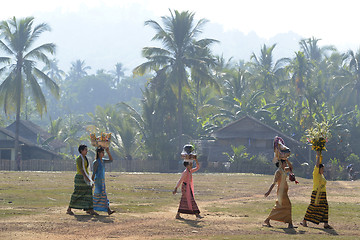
(318, 209)
(282, 209)
(101, 202)
(187, 203)
(82, 196)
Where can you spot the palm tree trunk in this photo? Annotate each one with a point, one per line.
(17, 126)
(17, 120)
(180, 114)
(197, 100)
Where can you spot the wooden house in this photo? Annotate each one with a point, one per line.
(256, 136)
(33, 144)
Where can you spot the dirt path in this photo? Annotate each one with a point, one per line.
(55, 225)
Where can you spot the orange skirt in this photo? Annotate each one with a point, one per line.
(282, 213)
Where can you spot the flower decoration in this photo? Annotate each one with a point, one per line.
(103, 140)
(318, 136)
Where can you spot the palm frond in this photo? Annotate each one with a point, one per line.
(37, 93)
(51, 84)
(38, 53)
(43, 27)
(4, 47)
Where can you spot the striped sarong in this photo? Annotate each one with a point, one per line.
(101, 202)
(317, 213)
(82, 196)
(183, 206)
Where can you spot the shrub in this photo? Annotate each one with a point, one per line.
(242, 162)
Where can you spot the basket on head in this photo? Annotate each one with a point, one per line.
(281, 151)
(188, 153)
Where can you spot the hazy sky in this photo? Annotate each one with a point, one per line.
(335, 22)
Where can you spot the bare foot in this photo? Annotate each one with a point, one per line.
(111, 212)
(291, 226)
(267, 223)
(69, 212)
(199, 217)
(303, 223)
(327, 226)
(92, 212)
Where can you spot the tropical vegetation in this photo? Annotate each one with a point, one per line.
(183, 92)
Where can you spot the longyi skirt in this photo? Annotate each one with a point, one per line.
(317, 213)
(282, 212)
(101, 202)
(183, 206)
(82, 196)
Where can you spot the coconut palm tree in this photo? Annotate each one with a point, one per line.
(78, 70)
(300, 69)
(20, 68)
(179, 39)
(353, 62)
(118, 74)
(312, 50)
(53, 71)
(201, 74)
(267, 72)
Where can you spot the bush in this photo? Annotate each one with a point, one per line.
(334, 170)
(242, 162)
(354, 160)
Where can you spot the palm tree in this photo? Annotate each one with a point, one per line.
(353, 62)
(268, 73)
(300, 70)
(201, 74)
(20, 67)
(178, 37)
(312, 50)
(109, 119)
(53, 71)
(78, 70)
(118, 73)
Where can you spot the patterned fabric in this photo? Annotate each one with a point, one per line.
(183, 206)
(82, 195)
(317, 213)
(101, 202)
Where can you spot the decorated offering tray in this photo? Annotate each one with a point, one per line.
(102, 141)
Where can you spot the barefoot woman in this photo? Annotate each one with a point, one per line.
(187, 203)
(101, 202)
(282, 209)
(82, 196)
(318, 210)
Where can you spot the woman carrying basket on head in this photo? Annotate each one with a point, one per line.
(101, 202)
(282, 209)
(187, 203)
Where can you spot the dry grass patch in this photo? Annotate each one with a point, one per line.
(33, 205)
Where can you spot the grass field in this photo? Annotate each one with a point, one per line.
(33, 205)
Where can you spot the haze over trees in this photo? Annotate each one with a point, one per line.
(183, 92)
(20, 73)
